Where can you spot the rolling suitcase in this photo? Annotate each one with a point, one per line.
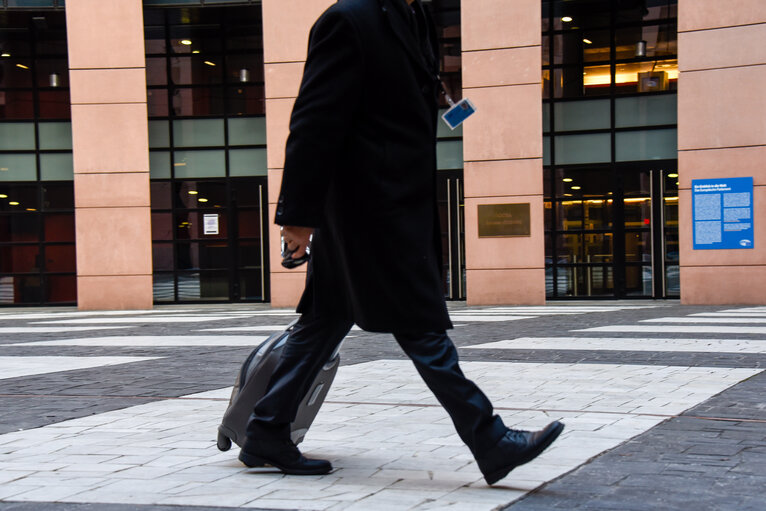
(250, 386)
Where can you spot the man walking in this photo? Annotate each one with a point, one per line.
(360, 177)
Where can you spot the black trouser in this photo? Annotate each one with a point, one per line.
(313, 340)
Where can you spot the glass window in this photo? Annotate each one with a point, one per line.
(199, 101)
(18, 167)
(646, 110)
(572, 149)
(582, 115)
(203, 163)
(19, 228)
(249, 221)
(52, 72)
(161, 195)
(159, 164)
(546, 150)
(569, 248)
(15, 71)
(646, 41)
(156, 70)
(196, 70)
(598, 248)
(17, 136)
(159, 134)
(162, 226)
(569, 215)
(54, 104)
(246, 100)
(59, 227)
(162, 257)
(55, 135)
(247, 131)
(61, 288)
(17, 104)
(647, 145)
(200, 194)
(58, 196)
(198, 133)
(157, 102)
(56, 167)
(449, 154)
(20, 259)
(248, 162)
(208, 285)
(20, 289)
(60, 259)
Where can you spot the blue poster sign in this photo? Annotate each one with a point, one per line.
(722, 212)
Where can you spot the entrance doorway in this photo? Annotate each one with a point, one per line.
(452, 220)
(612, 231)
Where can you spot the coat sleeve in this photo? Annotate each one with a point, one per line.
(321, 119)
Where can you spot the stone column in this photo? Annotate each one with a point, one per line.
(111, 153)
(503, 146)
(286, 28)
(722, 133)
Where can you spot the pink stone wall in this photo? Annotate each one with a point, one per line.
(722, 133)
(286, 28)
(111, 153)
(502, 146)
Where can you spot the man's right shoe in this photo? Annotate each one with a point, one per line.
(280, 453)
(516, 448)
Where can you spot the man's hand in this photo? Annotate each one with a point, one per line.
(297, 239)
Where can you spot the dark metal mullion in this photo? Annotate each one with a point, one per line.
(235, 293)
(552, 145)
(171, 142)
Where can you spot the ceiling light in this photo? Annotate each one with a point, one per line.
(201, 199)
(210, 63)
(672, 175)
(31, 209)
(186, 42)
(566, 19)
(5, 55)
(567, 179)
(195, 51)
(575, 188)
(22, 66)
(193, 192)
(587, 41)
(13, 203)
(3, 196)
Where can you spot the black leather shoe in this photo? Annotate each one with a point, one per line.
(281, 453)
(516, 448)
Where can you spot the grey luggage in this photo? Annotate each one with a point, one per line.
(251, 385)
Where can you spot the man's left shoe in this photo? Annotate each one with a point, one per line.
(282, 454)
(516, 448)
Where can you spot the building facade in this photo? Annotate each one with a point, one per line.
(142, 141)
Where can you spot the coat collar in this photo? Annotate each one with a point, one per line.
(393, 11)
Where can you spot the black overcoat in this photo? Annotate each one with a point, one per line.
(360, 167)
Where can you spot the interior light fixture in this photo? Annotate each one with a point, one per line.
(31, 209)
(13, 203)
(576, 187)
(672, 175)
(210, 63)
(54, 80)
(567, 19)
(180, 164)
(244, 75)
(567, 179)
(6, 55)
(641, 49)
(186, 42)
(22, 66)
(195, 51)
(3, 196)
(587, 41)
(193, 192)
(201, 199)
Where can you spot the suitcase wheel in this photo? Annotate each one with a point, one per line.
(224, 442)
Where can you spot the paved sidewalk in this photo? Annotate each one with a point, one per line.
(118, 411)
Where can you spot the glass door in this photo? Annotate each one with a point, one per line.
(647, 246)
(452, 220)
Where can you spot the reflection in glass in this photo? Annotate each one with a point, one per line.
(598, 214)
(19, 228)
(569, 248)
(17, 104)
(164, 287)
(162, 256)
(638, 246)
(61, 288)
(20, 259)
(189, 193)
(59, 227)
(569, 215)
(638, 280)
(58, 196)
(638, 213)
(200, 101)
(162, 226)
(60, 259)
(203, 286)
(598, 248)
(191, 225)
(672, 280)
(251, 285)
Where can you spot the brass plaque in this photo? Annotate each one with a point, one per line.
(504, 220)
